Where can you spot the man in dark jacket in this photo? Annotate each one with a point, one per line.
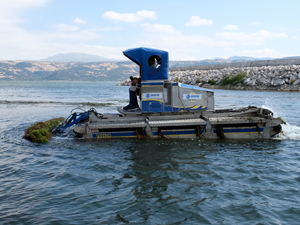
(133, 91)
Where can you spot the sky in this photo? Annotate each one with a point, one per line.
(188, 30)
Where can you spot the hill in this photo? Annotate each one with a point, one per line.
(88, 71)
(247, 58)
(38, 70)
(232, 59)
(76, 57)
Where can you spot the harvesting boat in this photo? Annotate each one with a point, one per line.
(172, 110)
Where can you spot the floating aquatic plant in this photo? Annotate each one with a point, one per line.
(41, 132)
(283, 121)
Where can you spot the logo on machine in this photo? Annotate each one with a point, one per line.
(152, 95)
(103, 135)
(192, 97)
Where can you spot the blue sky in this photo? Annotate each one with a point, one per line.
(188, 30)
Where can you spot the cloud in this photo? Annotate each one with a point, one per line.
(181, 47)
(105, 51)
(22, 4)
(79, 21)
(17, 42)
(188, 47)
(268, 34)
(21, 43)
(159, 28)
(255, 38)
(170, 36)
(266, 52)
(83, 35)
(231, 27)
(31, 45)
(9, 10)
(65, 27)
(195, 21)
(130, 17)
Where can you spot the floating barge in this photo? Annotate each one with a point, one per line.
(172, 110)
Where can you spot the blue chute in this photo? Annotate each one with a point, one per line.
(141, 57)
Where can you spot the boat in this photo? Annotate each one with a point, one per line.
(172, 110)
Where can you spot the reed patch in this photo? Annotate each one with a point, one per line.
(233, 79)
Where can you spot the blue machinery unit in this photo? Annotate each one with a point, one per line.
(172, 110)
(158, 95)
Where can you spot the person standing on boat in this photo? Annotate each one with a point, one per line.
(135, 87)
(133, 92)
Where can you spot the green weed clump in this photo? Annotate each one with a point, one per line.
(178, 80)
(233, 79)
(283, 121)
(212, 82)
(41, 132)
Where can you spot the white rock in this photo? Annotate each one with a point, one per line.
(264, 81)
(278, 82)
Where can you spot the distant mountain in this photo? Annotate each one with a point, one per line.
(247, 58)
(56, 68)
(197, 63)
(67, 71)
(292, 57)
(232, 59)
(76, 57)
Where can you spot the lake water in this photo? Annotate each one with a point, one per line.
(69, 181)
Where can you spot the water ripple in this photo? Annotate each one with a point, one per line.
(69, 181)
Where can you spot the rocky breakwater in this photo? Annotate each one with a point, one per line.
(280, 75)
(281, 78)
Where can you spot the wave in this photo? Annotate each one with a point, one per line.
(289, 132)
